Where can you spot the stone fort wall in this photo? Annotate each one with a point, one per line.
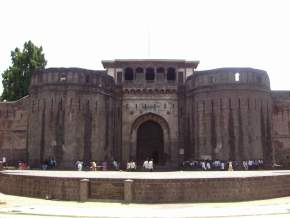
(13, 130)
(72, 113)
(281, 126)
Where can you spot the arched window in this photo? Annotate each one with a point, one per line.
(171, 74)
(129, 74)
(237, 77)
(139, 74)
(150, 74)
(160, 74)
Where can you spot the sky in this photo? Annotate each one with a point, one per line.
(218, 33)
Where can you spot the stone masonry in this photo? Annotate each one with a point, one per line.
(137, 109)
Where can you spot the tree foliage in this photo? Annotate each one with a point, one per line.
(16, 79)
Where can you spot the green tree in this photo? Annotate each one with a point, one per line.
(16, 79)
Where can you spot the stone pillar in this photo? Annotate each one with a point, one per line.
(84, 189)
(128, 190)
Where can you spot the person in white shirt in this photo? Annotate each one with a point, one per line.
(222, 166)
(129, 165)
(230, 166)
(4, 161)
(150, 165)
(146, 165)
(203, 166)
(208, 167)
(133, 165)
(79, 165)
(245, 165)
(116, 165)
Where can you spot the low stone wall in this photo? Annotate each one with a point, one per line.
(40, 187)
(148, 190)
(211, 190)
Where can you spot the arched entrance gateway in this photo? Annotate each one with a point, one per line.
(150, 142)
(150, 139)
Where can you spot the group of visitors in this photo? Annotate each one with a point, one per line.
(147, 165)
(22, 165)
(222, 165)
(131, 166)
(94, 166)
(49, 163)
(115, 165)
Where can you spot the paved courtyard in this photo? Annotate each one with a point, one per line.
(14, 206)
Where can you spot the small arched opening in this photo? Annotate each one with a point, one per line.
(171, 74)
(237, 77)
(139, 74)
(129, 75)
(150, 75)
(160, 74)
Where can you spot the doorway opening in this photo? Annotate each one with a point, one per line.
(150, 143)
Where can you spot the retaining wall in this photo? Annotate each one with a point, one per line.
(148, 190)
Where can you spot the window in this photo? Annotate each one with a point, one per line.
(237, 77)
(171, 75)
(160, 74)
(62, 77)
(150, 74)
(129, 74)
(139, 74)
